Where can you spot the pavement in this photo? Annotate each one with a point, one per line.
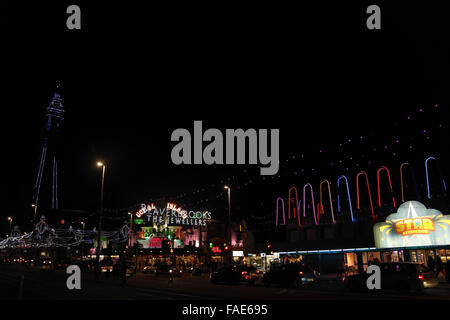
(51, 285)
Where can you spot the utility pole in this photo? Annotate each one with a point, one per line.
(229, 225)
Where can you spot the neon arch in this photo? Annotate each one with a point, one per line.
(368, 191)
(312, 199)
(296, 210)
(390, 185)
(348, 197)
(428, 181)
(413, 178)
(276, 211)
(320, 209)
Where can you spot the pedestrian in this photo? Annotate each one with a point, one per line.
(341, 269)
(447, 271)
(439, 266)
(430, 263)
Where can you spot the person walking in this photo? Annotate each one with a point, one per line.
(447, 271)
(439, 266)
(341, 269)
(430, 263)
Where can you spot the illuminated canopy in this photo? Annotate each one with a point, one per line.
(413, 225)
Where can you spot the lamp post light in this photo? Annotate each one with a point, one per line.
(35, 211)
(82, 243)
(100, 164)
(130, 241)
(229, 223)
(10, 219)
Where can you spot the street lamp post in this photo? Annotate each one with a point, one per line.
(229, 224)
(35, 211)
(100, 164)
(10, 219)
(131, 229)
(82, 243)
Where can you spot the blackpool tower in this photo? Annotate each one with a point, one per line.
(47, 173)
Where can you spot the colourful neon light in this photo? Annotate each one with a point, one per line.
(289, 203)
(368, 190)
(428, 181)
(276, 214)
(329, 196)
(312, 199)
(390, 185)
(348, 197)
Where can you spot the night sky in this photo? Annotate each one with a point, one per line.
(132, 75)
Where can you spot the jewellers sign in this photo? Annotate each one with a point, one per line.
(172, 215)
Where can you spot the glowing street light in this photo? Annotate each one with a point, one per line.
(229, 219)
(35, 211)
(131, 227)
(10, 219)
(100, 164)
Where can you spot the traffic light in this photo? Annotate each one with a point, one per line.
(226, 248)
(268, 248)
(210, 245)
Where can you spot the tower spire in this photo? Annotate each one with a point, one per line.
(54, 116)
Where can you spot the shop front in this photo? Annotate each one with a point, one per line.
(168, 235)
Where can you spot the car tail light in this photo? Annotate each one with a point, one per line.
(300, 273)
(420, 277)
(244, 272)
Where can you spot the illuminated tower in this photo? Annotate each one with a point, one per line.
(54, 116)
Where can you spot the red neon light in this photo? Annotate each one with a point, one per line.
(312, 202)
(390, 185)
(368, 190)
(289, 204)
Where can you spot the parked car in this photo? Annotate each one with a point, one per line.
(290, 275)
(235, 274)
(149, 269)
(45, 263)
(61, 265)
(106, 266)
(249, 274)
(130, 268)
(404, 276)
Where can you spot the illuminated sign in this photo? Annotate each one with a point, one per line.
(156, 243)
(422, 225)
(216, 250)
(172, 215)
(413, 225)
(238, 253)
(144, 209)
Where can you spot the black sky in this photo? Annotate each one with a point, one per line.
(134, 74)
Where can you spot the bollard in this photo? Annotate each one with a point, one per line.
(20, 288)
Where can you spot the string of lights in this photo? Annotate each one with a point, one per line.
(44, 236)
(295, 165)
